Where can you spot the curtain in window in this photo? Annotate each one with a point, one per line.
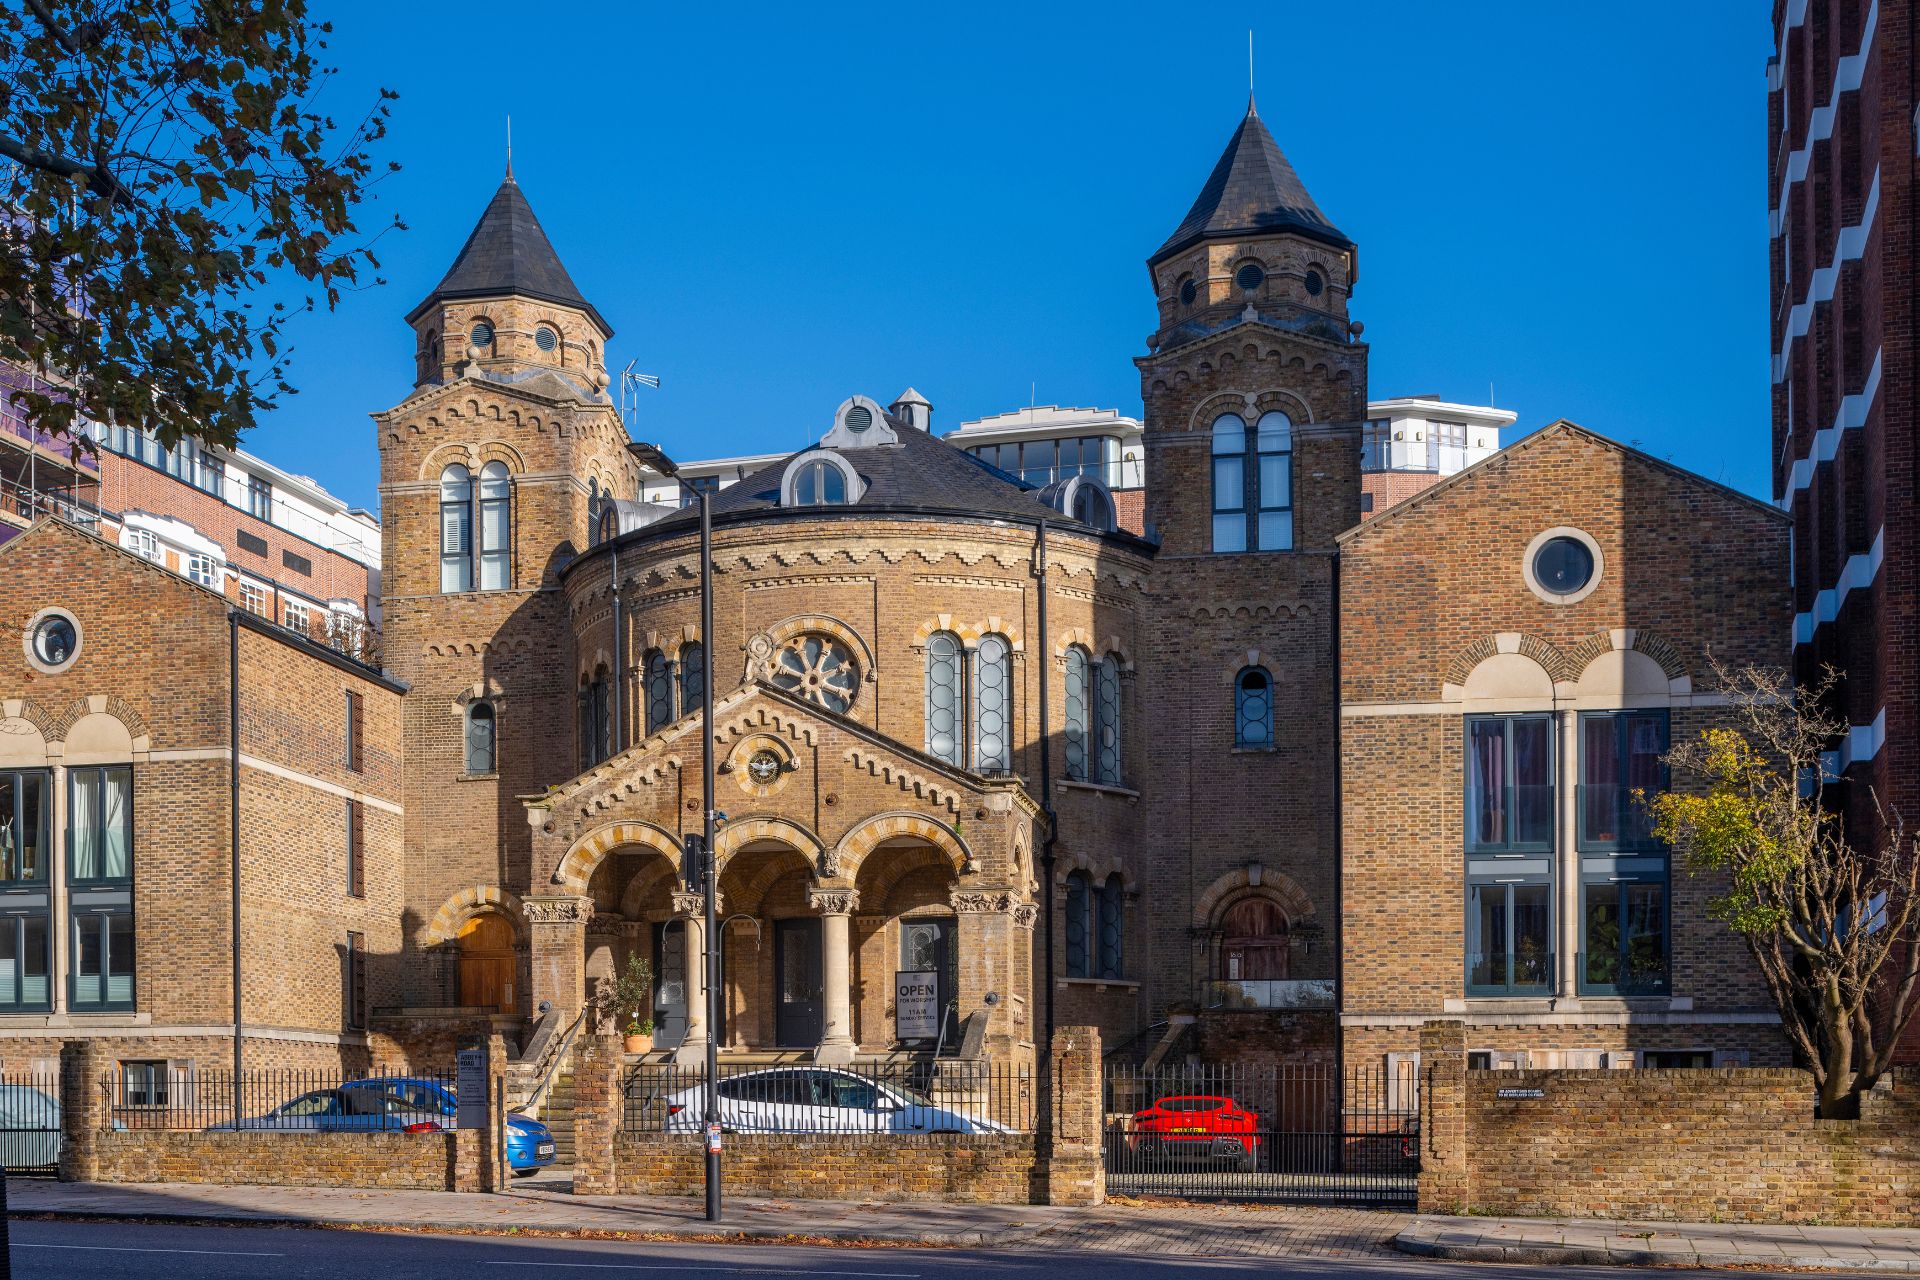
(693, 676)
(992, 705)
(1106, 719)
(943, 698)
(1229, 483)
(659, 689)
(1600, 780)
(85, 819)
(1079, 697)
(116, 823)
(1253, 709)
(496, 507)
(1532, 779)
(1112, 901)
(1079, 894)
(456, 529)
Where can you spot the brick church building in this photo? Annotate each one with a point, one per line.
(1258, 782)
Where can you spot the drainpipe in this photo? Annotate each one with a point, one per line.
(233, 812)
(1046, 800)
(1339, 854)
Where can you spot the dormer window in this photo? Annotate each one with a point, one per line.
(1084, 499)
(859, 418)
(819, 478)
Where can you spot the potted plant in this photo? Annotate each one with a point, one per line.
(629, 1000)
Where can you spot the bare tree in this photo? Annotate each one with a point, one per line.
(1830, 915)
(161, 162)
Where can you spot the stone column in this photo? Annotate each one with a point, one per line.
(836, 974)
(605, 958)
(691, 909)
(557, 933)
(83, 1108)
(1444, 1183)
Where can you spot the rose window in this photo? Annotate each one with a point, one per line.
(817, 668)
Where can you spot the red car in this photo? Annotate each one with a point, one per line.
(1196, 1127)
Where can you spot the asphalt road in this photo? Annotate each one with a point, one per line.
(134, 1251)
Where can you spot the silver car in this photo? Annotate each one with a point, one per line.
(818, 1100)
(350, 1110)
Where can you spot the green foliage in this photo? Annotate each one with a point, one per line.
(168, 162)
(630, 996)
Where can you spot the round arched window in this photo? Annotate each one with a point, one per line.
(56, 640)
(546, 339)
(1563, 565)
(1315, 284)
(482, 335)
(1188, 292)
(1250, 277)
(818, 668)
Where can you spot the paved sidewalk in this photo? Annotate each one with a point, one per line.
(1578, 1242)
(545, 1205)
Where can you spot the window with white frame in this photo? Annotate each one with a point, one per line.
(204, 569)
(253, 598)
(297, 617)
(142, 542)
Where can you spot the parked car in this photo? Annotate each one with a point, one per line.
(1196, 1128)
(354, 1108)
(530, 1145)
(29, 1127)
(818, 1100)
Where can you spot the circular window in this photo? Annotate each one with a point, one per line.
(859, 418)
(817, 668)
(1188, 292)
(52, 641)
(545, 338)
(482, 335)
(1315, 284)
(1563, 566)
(1250, 277)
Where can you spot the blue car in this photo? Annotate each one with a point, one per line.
(529, 1143)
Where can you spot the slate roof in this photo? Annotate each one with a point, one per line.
(1253, 189)
(508, 252)
(920, 472)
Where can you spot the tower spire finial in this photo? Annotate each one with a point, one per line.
(509, 148)
(1250, 110)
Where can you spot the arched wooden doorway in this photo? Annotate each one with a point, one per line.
(1253, 942)
(485, 945)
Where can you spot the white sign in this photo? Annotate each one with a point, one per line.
(916, 1004)
(470, 1088)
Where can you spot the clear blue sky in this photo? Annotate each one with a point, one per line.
(777, 206)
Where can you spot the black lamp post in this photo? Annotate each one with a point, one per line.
(699, 863)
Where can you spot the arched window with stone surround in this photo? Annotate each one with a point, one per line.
(1106, 720)
(1229, 483)
(945, 740)
(992, 705)
(1253, 708)
(481, 734)
(1109, 953)
(596, 727)
(495, 527)
(1079, 924)
(456, 529)
(658, 689)
(1253, 483)
(1253, 941)
(693, 676)
(1077, 728)
(1273, 481)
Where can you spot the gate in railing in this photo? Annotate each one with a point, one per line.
(29, 1122)
(1309, 1132)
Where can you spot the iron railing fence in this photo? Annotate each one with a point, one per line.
(157, 1096)
(29, 1121)
(1305, 1132)
(869, 1097)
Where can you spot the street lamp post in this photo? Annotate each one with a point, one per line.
(653, 456)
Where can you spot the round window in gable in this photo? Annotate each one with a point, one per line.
(1188, 292)
(1250, 277)
(1315, 285)
(1563, 566)
(859, 418)
(482, 335)
(545, 339)
(53, 641)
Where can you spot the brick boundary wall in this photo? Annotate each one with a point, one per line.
(450, 1161)
(992, 1169)
(1721, 1145)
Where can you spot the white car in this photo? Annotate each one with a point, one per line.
(818, 1100)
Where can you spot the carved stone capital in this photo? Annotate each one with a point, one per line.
(557, 910)
(689, 904)
(833, 902)
(1025, 914)
(976, 901)
(610, 925)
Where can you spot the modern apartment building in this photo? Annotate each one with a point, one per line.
(1841, 145)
